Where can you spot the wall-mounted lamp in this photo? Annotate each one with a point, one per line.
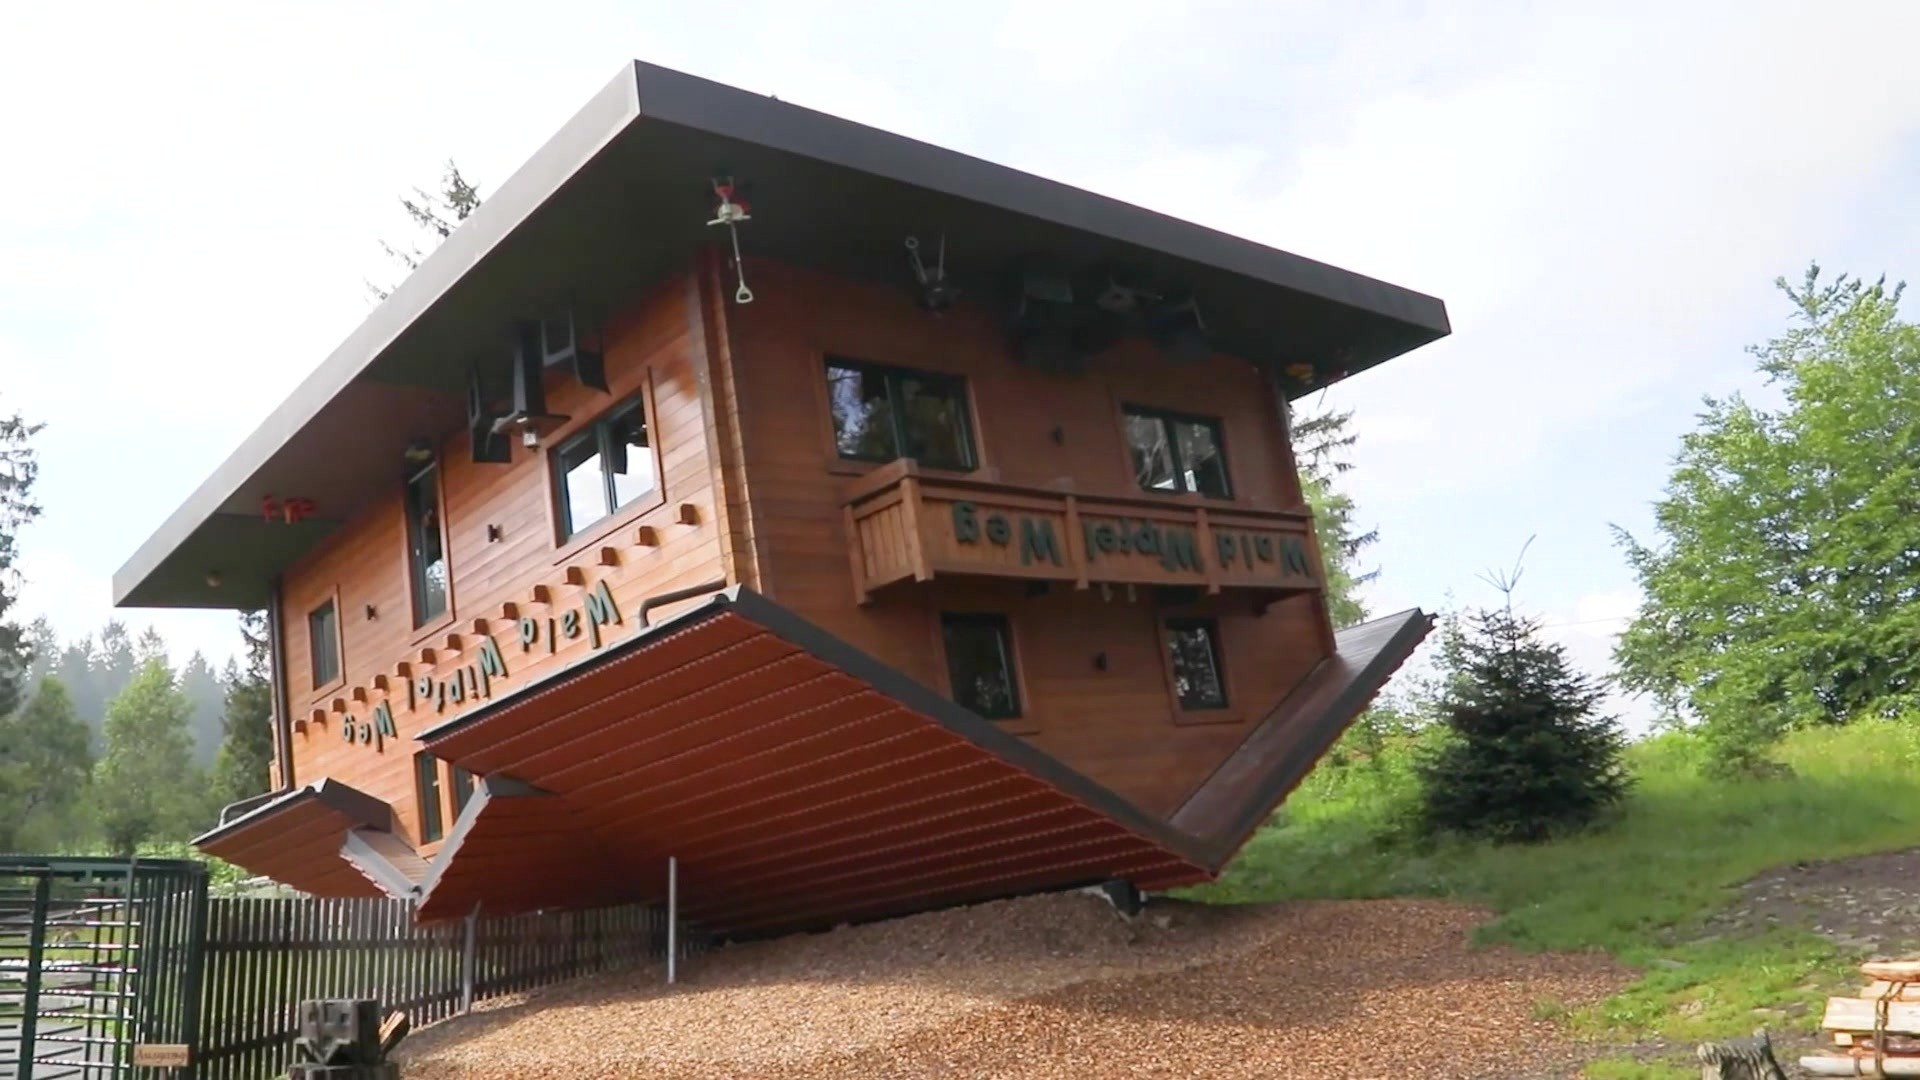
(213, 579)
(1100, 661)
(418, 452)
(1058, 435)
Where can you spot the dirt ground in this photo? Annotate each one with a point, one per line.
(1060, 986)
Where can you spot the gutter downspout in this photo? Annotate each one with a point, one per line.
(277, 673)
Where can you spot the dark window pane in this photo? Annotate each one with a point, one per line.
(980, 664)
(1203, 468)
(426, 779)
(630, 463)
(1196, 665)
(934, 414)
(1151, 453)
(323, 633)
(583, 487)
(862, 417)
(427, 559)
(462, 789)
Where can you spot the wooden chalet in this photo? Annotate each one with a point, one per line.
(866, 526)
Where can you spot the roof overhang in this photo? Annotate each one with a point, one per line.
(617, 201)
(297, 838)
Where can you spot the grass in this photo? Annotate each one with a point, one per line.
(1637, 888)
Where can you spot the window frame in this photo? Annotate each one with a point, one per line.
(461, 785)
(1167, 417)
(427, 800)
(320, 687)
(962, 390)
(1010, 654)
(596, 427)
(425, 626)
(1220, 713)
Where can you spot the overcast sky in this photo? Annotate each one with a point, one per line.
(193, 195)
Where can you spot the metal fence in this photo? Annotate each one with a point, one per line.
(263, 956)
(103, 962)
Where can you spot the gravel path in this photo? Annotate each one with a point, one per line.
(1059, 986)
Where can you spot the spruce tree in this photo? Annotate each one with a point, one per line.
(1529, 755)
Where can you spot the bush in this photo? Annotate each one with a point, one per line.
(1528, 755)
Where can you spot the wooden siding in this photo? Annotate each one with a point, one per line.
(1114, 721)
(655, 349)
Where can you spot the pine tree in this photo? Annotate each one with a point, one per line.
(435, 216)
(18, 468)
(146, 787)
(246, 751)
(1529, 754)
(1320, 443)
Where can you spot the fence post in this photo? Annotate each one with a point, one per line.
(673, 916)
(466, 962)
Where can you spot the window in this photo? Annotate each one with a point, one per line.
(426, 782)
(462, 790)
(323, 641)
(1193, 647)
(426, 549)
(883, 413)
(980, 664)
(1176, 453)
(603, 467)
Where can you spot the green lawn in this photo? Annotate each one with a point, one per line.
(1634, 888)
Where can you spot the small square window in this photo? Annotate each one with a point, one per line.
(426, 781)
(1193, 648)
(606, 465)
(323, 638)
(1170, 452)
(882, 413)
(980, 664)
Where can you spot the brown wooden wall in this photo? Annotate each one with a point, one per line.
(1118, 725)
(657, 348)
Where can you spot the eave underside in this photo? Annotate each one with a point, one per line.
(798, 782)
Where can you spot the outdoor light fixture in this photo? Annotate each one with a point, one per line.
(419, 452)
(936, 292)
(1178, 331)
(213, 579)
(529, 416)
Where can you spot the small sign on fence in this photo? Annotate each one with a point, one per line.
(162, 1055)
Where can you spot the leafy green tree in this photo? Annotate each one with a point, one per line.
(246, 751)
(18, 468)
(146, 787)
(206, 696)
(1781, 590)
(434, 217)
(1528, 754)
(1320, 445)
(44, 761)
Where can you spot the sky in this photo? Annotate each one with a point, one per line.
(1603, 194)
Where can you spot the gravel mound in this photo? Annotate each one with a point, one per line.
(1056, 986)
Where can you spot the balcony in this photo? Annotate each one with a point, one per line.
(908, 525)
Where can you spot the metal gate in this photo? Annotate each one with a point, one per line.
(98, 957)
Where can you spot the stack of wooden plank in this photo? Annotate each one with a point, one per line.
(1877, 1032)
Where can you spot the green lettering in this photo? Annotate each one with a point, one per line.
(1293, 556)
(1180, 553)
(383, 720)
(1037, 541)
(600, 607)
(966, 522)
(1263, 547)
(570, 623)
(529, 632)
(1223, 547)
(998, 529)
(491, 662)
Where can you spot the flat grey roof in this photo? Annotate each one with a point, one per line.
(618, 200)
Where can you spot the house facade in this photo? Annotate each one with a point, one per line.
(864, 526)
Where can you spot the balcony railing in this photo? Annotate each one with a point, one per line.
(910, 526)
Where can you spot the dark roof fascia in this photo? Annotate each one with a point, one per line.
(1409, 629)
(690, 101)
(596, 124)
(888, 680)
